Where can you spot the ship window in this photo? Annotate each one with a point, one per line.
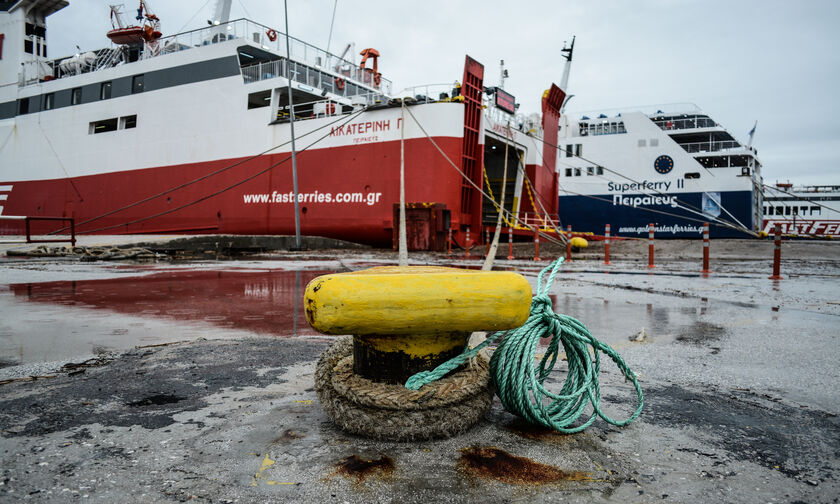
(815, 209)
(642, 142)
(23, 106)
(137, 84)
(578, 150)
(787, 210)
(568, 172)
(654, 142)
(76, 96)
(693, 175)
(49, 101)
(30, 29)
(590, 170)
(599, 170)
(102, 126)
(780, 210)
(128, 122)
(568, 150)
(259, 99)
(327, 83)
(27, 46)
(577, 172)
(44, 50)
(105, 90)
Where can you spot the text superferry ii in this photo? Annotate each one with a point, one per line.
(190, 133)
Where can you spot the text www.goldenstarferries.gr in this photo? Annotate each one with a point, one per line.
(369, 199)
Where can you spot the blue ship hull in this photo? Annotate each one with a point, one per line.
(630, 214)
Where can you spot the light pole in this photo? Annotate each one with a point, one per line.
(298, 245)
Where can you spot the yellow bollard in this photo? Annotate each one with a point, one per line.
(410, 319)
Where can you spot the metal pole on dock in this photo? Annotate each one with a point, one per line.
(292, 129)
(650, 246)
(536, 243)
(467, 244)
(487, 240)
(777, 254)
(510, 244)
(449, 243)
(705, 247)
(607, 245)
(403, 240)
(569, 243)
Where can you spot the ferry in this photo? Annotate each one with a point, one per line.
(671, 165)
(191, 133)
(807, 211)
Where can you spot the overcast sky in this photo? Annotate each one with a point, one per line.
(777, 62)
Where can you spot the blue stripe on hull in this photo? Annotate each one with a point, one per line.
(631, 219)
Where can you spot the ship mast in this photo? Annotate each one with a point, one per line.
(503, 74)
(222, 12)
(567, 53)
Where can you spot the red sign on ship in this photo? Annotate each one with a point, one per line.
(505, 101)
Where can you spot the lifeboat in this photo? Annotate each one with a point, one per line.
(127, 35)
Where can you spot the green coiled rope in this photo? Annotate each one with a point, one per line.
(520, 385)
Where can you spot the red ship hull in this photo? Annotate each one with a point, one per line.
(346, 193)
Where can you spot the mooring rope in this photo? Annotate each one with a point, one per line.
(520, 385)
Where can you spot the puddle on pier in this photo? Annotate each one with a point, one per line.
(614, 321)
(56, 320)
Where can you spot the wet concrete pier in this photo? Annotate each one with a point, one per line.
(192, 381)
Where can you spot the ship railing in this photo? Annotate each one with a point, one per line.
(530, 220)
(528, 124)
(650, 110)
(714, 146)
(685, 123)
(312, 77)
(430, 93)
(318, 108)
(258, 34)
(49, 238)
(242, 29)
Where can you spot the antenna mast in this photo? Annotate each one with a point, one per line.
(222, 12)
(567, 52)
(503, 74)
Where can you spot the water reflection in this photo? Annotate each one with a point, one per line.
(266, 302)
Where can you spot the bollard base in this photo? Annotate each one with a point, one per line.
(776, 277)
(395, 358)
(382, 411)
